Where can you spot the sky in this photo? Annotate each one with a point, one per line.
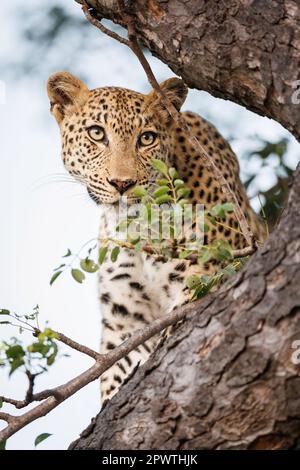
(42, 214)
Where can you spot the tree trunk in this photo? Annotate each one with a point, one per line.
(229, 376)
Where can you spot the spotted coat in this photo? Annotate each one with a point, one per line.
(109, 137)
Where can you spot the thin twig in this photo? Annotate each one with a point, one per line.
(31, 378)
(149, 249)
(53, 397)
(12, 401)
(77, 346)
(95, 22)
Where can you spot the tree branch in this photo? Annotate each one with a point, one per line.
(6, 417)
(78, 347)
(53, 397)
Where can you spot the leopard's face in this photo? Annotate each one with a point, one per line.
(111, 135)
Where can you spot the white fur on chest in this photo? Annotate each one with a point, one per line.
(159, 281)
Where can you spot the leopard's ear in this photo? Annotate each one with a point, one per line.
(66, 93)
(175, 89)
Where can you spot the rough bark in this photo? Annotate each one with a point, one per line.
(225, 379)
(247, 51)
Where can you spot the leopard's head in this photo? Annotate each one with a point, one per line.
(110, 135)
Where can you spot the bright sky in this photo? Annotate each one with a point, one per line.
(42, 215)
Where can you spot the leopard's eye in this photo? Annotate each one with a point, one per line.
(96, 133)
(147, 138)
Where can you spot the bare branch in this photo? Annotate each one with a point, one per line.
(7, 417)
(78, 347)
(12, 401)
(55, 396)
(31, 378)
(95, 22)
(248, 251)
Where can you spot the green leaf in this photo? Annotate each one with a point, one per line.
(162, 182)
(215, 211)
(48, 333)
(68, 253)
(160, 166)
(88, 265)
(179, 183)
(38, 347)
(102, 254)
(2, 445)
(225, 254)
(41, 438)
(183, 192)
(52, 357)
(202, 290)
(184, 254)
(1, 403)
(54, 277)
(221, 250)
(15, 364)
(139, 191)
(229, 270)
(115, 253)
(228, 207)
(78, 275)
(59, 267)
(211, 218)
(161, 191)
(182, 202)
(3, 311)
(192, 281)
(205, 257)
(163, 199)
(15, 351)
(173, 173)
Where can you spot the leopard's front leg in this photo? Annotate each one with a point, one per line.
(126, 305)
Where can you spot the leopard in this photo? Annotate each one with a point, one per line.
(110, 136)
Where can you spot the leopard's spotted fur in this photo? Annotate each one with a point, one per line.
(138, 288)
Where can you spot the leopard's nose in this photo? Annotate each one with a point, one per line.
(121, 185)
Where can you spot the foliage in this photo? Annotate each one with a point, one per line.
(271, 155)
(203, 284)
(42, 437)
(160, 207)
(34, 358)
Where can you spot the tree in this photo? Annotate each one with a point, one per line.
(228, 377)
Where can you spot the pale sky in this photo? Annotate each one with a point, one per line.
(41, 217)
